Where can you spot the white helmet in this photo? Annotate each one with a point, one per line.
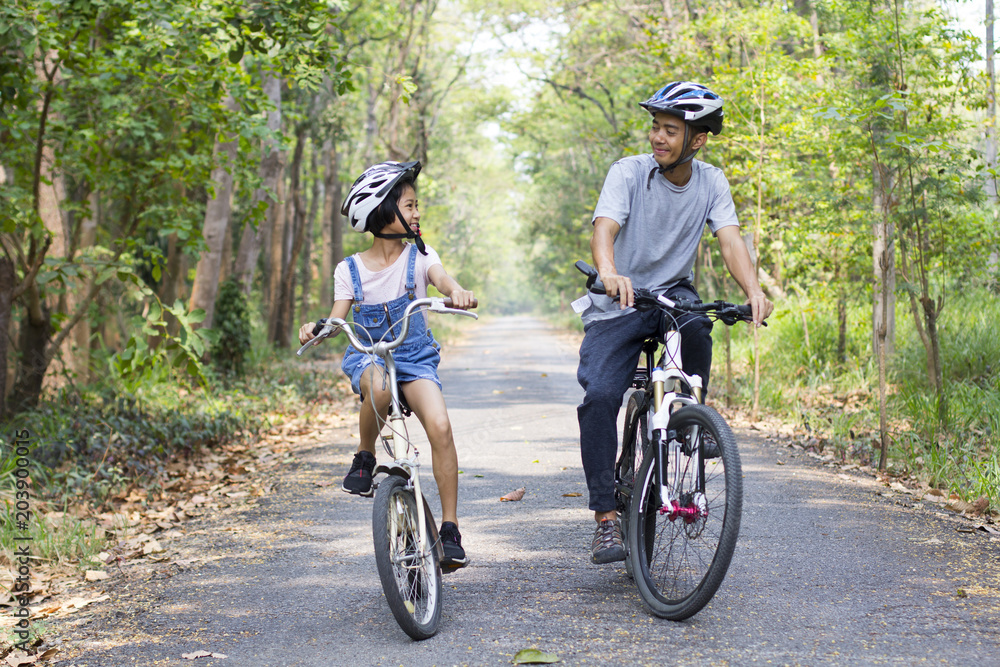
(371, 189)
(692, 102)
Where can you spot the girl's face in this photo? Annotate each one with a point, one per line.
(408, 207)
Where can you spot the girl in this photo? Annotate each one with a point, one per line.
(378, 284)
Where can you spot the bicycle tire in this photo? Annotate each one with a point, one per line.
(680, 563)
(412, 584)
(635, 440)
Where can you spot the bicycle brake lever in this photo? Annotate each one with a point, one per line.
(323, 333)
(439, 307)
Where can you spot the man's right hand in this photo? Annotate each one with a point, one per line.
(620, 286)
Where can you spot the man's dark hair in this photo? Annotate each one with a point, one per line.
(385, 213)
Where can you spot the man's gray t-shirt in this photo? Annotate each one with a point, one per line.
(661, 223)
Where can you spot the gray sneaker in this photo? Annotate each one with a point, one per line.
(607, 546)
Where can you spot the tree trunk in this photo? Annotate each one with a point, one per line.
(36, 332)
(883, 318)
(991, 107)
(271, 169)
(306, 276)
(371, 125)
(285, 261)
(81, 332)
(217, 214)
(333, 227)
(326, 226)
(884, 260)
(8, 281)
(931, 312)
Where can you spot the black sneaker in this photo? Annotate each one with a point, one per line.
(451, 541)
(607, 545)
(359, 479)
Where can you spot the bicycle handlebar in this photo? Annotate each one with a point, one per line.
(434, 304)
(727, 313)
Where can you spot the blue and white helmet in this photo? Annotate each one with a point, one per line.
(371, 189)
(691, 102)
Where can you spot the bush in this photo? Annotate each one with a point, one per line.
(232, 323)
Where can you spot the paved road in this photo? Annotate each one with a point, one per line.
(826, 570)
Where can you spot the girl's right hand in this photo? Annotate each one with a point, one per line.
(306, 333)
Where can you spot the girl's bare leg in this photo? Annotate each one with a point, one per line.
(377, 398)
(427, 402)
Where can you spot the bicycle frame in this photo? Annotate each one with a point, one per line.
(403, 464)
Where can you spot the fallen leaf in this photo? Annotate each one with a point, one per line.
(780, 462)
(956, 505)
(18, 658)
(532, 656)
(203, 654)
(152, 547)
(96, 575)
(325, 482)
(513, 495)
(572, 495)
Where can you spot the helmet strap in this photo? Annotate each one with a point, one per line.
(683, 160)
(410, 234)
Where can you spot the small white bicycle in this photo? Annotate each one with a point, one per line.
(408, 551)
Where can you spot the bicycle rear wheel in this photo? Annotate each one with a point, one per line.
(411, 580)
(680, 554)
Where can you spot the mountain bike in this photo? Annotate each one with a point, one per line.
(408, 551)
(678, 478)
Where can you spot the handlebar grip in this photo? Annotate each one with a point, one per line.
(319, 326)
(448, 303)
(586, 269)
(594, 283)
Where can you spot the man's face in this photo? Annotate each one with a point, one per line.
(666, 137)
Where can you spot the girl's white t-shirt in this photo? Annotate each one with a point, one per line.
(387, 284)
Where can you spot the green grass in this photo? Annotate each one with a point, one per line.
(809, 385)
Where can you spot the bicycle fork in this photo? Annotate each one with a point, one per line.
(692, 505)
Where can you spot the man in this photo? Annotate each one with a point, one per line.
(647, 226)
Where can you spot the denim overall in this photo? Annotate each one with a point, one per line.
(417, 358)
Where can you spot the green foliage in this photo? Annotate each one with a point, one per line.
(142, 362)
(231, 322)
(119, 103)
(810, 385)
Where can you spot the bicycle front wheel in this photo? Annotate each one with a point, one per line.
(411, 579)
(681, 548)
(634, 445)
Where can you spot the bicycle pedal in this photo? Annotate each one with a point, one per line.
(448, 569)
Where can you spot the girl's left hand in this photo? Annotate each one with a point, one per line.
(462, 299)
